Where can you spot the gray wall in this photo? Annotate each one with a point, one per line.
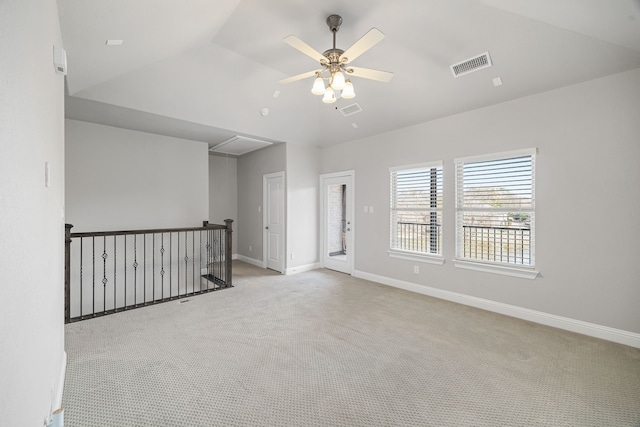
(32, 244)
(118, 179)
(251, 168)
(302, 177)
(588, 140)
(223, 192)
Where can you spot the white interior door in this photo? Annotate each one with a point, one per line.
(337, 221)
(273, 201)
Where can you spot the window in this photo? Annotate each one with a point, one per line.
(495, 209)
(416, 209)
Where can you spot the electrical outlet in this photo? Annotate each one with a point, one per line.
(293, 255)
(416, 269)
(250, 248)
(370, 209)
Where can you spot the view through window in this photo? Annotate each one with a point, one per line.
(416, 208)
(495, 208)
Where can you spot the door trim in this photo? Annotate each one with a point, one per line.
(323, 219)
(265, 177)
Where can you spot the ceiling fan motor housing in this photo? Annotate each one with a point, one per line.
(334, 22)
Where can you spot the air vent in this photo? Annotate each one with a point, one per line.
(472, 64)
(350, 110)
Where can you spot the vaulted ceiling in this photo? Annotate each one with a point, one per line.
(205, 69)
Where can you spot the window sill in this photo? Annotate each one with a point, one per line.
(521, 272)
(418, 257)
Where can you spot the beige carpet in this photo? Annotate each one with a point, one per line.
(325, 349)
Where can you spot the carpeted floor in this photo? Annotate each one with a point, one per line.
(325, 349)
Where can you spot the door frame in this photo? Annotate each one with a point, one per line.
(351, 200)
(265, 247)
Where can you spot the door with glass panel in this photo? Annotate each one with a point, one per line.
(337, 221)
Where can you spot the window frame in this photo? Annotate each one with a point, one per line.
(527, 271)
(417, 256)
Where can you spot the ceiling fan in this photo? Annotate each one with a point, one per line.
(334, 63)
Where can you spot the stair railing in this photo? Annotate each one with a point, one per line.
(112, 271)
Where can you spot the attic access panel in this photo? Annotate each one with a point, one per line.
(239, 145)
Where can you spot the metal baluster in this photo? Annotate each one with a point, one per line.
(486, 240)
(413, 237)
(475, 232)
(81, 273)
(135, 270)
(162, 266)
(144, 263)
(193, 262)
(186, 264)
(93, 285)
(210, 255)
(104, 273)
(115, 269)
(494, 244)
(200, 263)
(206, 256)
(178, 263)
(221, 268)
(153, 267)
(216, 257)
(464, 241)
(125, 272)
(217, 262)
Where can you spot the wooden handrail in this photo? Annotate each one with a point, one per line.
(149, 231)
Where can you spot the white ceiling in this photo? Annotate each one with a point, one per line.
(204, 69)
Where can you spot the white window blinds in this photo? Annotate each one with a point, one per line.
(416, 208)
(495, 208)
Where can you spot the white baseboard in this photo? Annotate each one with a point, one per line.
(57, 403)
(234, 256)
(591, 329)
(251, 261)
(302, 268)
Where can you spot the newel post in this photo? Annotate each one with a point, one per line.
(229, 252)
(67, 272)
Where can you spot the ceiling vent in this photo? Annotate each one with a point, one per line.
(239, 145)
(472, 64)
(350, 109)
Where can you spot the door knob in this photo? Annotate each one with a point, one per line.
(348, 229)
(267, 227)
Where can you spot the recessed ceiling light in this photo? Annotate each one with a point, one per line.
(264, 112)
(497, 82)
(114, 42)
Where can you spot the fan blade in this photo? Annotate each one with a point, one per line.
(368, 73)
(295, 42)
(365, 43)
(298, 77)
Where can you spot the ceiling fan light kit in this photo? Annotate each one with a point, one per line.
(334, 64)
